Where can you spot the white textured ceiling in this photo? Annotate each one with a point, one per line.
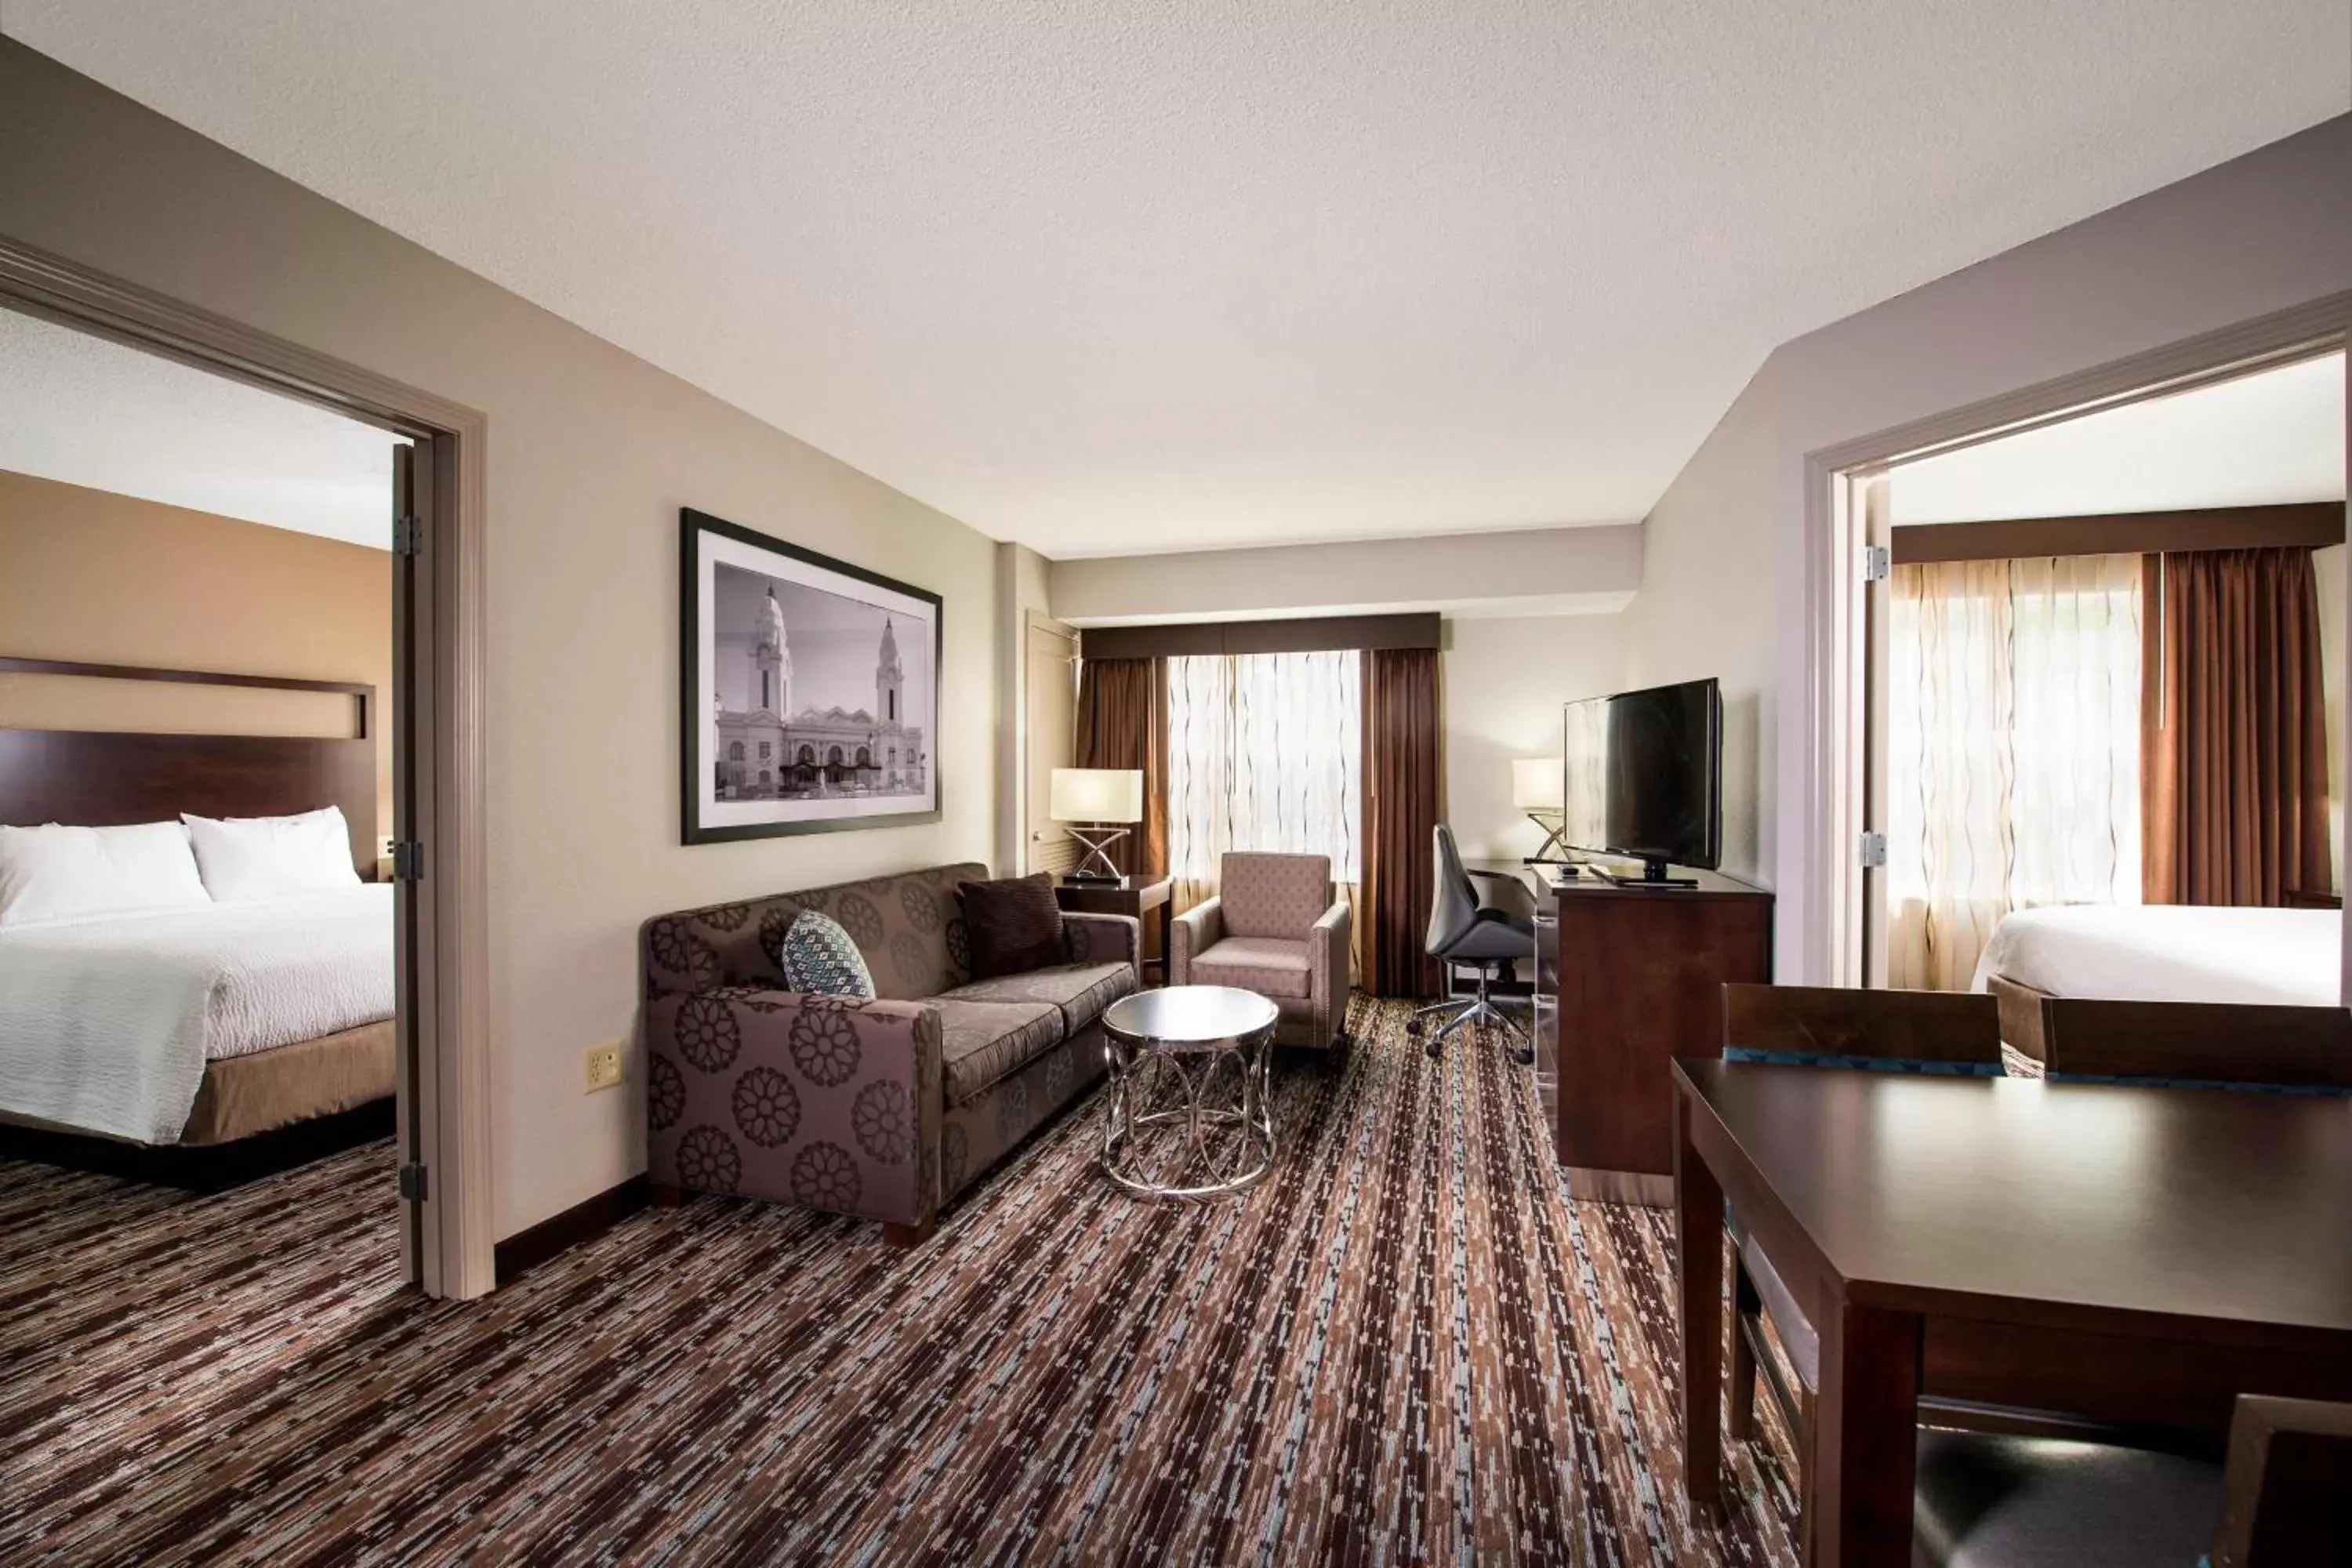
(2257, 441)
(1109, 276)
(85, 411)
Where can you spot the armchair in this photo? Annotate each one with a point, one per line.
(1274, 927)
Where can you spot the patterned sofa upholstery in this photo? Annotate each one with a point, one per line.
(885, 1109)
(1273, 927)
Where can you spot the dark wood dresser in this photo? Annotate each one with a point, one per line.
(1627, 979)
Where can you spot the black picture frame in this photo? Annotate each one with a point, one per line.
(704, 815)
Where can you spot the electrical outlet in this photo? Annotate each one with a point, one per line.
(603, 1066)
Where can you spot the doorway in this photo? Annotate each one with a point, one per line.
(433, 718)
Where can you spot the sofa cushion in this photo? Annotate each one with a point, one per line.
(1013, 925)
(817, 958)
(1080, 991)
(1267, 966)
(982, 1043)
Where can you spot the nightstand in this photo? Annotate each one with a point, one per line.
(1132, 897)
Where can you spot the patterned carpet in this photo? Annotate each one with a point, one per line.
(1405, 1346)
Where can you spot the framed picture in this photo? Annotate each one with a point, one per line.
(809, 689)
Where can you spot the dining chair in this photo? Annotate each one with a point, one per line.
(2276, 1502)
(2198, 1044)
(1929, 1032)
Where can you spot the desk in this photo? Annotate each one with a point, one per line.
(1133, 897)
(2122, 1253)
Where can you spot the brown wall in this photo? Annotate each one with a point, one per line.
(108, 579)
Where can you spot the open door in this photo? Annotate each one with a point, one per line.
(411, 717)
(1877, 616)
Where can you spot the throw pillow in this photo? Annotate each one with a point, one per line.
(818, 958)
(1014, 925)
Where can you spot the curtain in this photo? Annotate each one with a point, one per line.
(1262, 753)
(2014, 765)
(1123, 723)
(1401, 741)
(2237, 732)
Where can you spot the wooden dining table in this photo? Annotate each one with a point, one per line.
(2138, 1256)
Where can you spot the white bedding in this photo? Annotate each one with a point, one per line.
(2171, 952)
(106, 1025)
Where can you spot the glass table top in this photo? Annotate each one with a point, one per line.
(1191, 1015)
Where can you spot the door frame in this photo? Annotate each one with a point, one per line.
(1836, 783)
(438, 758)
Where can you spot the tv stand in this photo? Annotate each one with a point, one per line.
(1654, 875)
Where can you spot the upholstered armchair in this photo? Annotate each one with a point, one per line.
(1274, 927)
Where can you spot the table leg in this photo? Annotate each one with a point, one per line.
(1698, 1249)
(1865, 1439)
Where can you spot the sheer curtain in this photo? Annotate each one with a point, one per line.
(2014, 751)
(1264, 753)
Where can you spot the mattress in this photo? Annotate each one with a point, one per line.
(2171, 952)
(108, 1027)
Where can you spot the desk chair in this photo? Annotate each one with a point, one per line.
(1463, 931)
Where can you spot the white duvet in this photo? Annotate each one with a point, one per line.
(106, 1025)
(2171, 952)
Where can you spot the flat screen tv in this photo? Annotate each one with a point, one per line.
(1644, 776)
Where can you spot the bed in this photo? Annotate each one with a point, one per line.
(2159, 952)
(203, 1026)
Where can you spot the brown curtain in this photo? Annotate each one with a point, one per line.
(2234, 729)
(1401, 735)
(1123, 723)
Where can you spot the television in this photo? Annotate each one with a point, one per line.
(1642, 777)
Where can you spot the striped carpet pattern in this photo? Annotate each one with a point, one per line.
(1405, 1346)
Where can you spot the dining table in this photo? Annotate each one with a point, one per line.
(2136, 1256)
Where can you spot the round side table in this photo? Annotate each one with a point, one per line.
(1189, 1115)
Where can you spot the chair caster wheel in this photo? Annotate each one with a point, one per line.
(1525, 1055)
(1412, 1030)
(1435, 1049)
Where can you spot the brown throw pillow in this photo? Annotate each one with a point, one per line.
(1014, 925)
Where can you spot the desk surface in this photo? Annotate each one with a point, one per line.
(2024, 1201)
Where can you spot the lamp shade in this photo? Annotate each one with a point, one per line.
(1536, 784)
(1096, 795)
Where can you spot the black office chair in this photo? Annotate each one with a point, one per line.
(1463, 931)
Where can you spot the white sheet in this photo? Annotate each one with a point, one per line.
(106, 1025)
(2171, 952)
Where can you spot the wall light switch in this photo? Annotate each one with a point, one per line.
(603, 1066)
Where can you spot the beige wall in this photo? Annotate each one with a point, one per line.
(1725, 587)
(591, 453)
(90, 575)
(1503, 682)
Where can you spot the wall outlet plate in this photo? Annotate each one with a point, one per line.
(603, 1066)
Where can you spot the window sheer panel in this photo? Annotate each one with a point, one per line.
(2013, 751)
(1264, 754)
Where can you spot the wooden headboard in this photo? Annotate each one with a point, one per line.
(100, 778)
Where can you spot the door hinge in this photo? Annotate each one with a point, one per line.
(1872, 849)
(407, 861)
(413, 1184)
(408, 535)
(1878, 563)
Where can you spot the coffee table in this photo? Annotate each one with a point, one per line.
(1189, 1115)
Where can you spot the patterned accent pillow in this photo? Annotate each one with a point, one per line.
(817, 958)
(1014, 926)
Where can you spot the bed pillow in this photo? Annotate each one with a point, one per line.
(247, 858)
(53, 873)
(818, 958)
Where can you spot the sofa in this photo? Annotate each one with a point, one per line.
(1274, 927)
(883, 1109)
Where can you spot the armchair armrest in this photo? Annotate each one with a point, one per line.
(1327, 944)
(1104, 939)
(1191, 934)
(829, 1102)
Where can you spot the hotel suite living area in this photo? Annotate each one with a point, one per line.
(1177, 786)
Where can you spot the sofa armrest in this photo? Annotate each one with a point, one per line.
(829, 1102)
(1191, 934)
(1327, 945)
(1104, 939)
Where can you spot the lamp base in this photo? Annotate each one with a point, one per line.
(1544, 856)
(1096, 865)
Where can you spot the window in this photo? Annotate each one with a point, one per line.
(1264, 754)
(767, 749)
(735, 751)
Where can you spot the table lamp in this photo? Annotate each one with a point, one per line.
(1090, 803)
(1536, 789)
